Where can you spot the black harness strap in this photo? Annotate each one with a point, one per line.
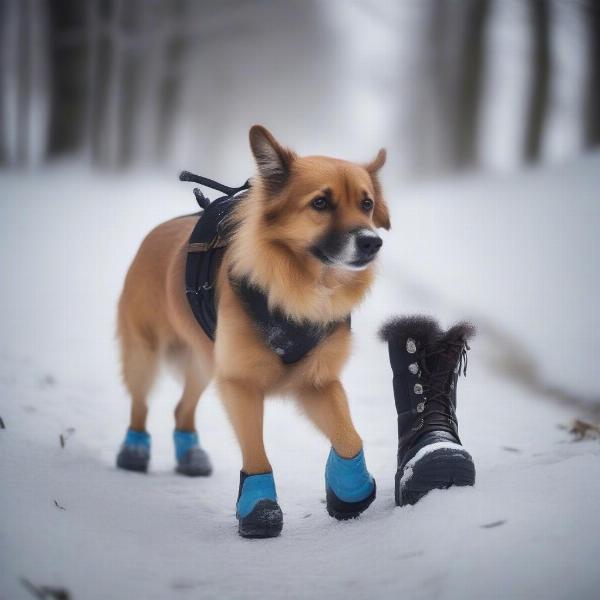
(206, 248)
(290, 340)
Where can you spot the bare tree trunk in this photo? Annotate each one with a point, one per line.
(592, 101)
(9, 61)
(506, 83)
(146, 115)
(453, 50)
(424, 128)
(564, 127)
(188, 136)
(25, 81)
(468, 97)
(540, 76)
(38, 77)
(441, 139)
(90, 123)
(22, 83)
(112, 132)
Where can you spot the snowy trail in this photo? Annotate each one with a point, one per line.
(528, 529)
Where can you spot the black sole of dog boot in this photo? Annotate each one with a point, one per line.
(342, 511)
(196, 463)
(193, 471)
(436, 470)
(265, 521)
(133, 460)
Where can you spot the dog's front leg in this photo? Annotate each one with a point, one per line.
(350, 487)
(257, 510)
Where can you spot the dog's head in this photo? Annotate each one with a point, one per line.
(326, 208)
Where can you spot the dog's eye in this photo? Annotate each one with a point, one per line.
(367, 204)
(320, 203)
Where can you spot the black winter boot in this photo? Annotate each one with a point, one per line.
(426, 363)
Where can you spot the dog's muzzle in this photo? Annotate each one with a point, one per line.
(352, 250)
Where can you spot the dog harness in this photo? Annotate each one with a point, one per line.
(290, 340)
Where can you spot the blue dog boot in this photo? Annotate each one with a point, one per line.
(135, 452)
(192, 460)
(257, 510)
(350, 487)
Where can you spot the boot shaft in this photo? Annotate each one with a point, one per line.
(426, 362)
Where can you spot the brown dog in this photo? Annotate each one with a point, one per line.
(305, 237)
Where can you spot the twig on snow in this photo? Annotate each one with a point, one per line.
(493, 524)
(510, 449)
(63, 437)
(583, 430)
(45, 592)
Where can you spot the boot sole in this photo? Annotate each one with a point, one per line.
(129, 461)
(193, 472)
(265, 521)
(343, 511)
(436, 470)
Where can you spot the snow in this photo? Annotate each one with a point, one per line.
(517, 255)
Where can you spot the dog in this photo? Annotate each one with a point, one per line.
(304, 236)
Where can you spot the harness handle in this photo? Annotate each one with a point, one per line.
(201, 199)
(214, 185)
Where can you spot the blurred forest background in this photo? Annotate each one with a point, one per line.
(446, 85)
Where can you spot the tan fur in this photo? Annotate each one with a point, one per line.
(275, 229)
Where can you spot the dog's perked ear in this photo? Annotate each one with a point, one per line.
(381, 215)
(378, 162)
(272, 159)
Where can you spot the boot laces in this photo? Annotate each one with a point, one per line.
(438, 382)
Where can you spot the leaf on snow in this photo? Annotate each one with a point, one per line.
(584, 430)
(44, 592)
(493, 524)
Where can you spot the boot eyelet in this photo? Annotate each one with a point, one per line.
(411, 347)
(413, 368)
(452, 385)
(418, 388)
(419, 424)
(420, 407)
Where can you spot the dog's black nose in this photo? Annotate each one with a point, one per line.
(368, 244)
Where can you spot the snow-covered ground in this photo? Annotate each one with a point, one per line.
(519, 255)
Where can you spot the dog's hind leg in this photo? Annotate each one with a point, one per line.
(192, 460)
(194, 383)
(349, 486)
(258, 513)
(139, 358)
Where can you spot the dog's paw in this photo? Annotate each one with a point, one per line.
(135, 452)
(195, 463)
(264, 521)
(257, 510)
(133, 458)
(342, 511)
(192, 460)
(349, 485)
